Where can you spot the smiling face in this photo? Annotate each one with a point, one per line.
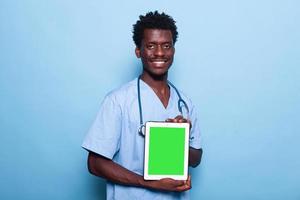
(156, 52)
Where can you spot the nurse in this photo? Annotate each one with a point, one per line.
(115, 146)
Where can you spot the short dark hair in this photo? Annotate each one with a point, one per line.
(153, 20)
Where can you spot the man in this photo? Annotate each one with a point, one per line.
(116, 149)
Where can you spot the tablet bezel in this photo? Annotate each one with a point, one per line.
(148, 125)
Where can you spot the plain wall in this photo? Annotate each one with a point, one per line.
(237, 60)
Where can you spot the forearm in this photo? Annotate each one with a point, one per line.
(105, 168)
(195, 156)
(109, 170)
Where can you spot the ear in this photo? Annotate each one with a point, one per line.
(137, 52)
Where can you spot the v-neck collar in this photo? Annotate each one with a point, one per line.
(157, 98)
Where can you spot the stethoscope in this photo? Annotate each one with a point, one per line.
(181, 103)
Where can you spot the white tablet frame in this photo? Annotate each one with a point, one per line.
(148, 125)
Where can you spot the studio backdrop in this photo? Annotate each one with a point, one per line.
(237, 60)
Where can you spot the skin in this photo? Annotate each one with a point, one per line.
(157, 53)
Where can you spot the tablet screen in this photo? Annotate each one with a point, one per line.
(166, 150)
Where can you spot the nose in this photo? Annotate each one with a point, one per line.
(159, 51)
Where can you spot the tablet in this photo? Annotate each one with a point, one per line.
(166, 150)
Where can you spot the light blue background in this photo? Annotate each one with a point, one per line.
(238, 61)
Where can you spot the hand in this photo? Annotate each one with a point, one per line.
(168, 184)
(179, 119)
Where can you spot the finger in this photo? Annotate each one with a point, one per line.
(174, 183)
(187, 179)
(169, 120)
(189, 182)
(180, 183)
(182, 120)
(183, 188)
(178, 118)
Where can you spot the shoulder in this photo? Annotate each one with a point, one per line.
(120, 94)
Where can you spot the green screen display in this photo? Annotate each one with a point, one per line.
(166, 151)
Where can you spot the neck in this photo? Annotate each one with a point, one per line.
(157, 83)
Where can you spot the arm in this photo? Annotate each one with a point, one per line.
(107, 169)
(195, 156)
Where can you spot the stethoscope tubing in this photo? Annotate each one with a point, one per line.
(180, 100)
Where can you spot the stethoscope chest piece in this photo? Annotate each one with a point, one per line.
(142, 130)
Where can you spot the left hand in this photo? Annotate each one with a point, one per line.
(179, 119)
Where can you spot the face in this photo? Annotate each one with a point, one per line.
(156, 51)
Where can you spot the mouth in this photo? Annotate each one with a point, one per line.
(159, 61)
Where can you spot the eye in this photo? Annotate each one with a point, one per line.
(150, 46)
(167, 46)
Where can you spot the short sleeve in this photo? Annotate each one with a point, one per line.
(103, 137)
(195, 141)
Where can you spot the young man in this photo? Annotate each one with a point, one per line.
(116, 148)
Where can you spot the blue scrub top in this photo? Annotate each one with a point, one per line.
(114, 134)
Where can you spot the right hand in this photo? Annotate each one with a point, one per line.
(168, 184)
